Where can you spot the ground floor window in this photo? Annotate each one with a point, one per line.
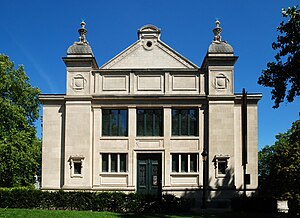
(184, 163)
(114, 162)
(221, 165)
(77, 168)
(76, 165)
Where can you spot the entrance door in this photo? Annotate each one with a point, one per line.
(149, 174)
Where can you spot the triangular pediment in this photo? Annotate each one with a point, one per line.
(149, 53)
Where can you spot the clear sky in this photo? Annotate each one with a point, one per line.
(37, 34)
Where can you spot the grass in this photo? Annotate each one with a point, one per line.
(34, 213)
(28, 213)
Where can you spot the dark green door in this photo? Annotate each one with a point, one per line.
(149, 174)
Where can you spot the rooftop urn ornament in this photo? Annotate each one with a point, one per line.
(82, 32)
(82, 46)
(217, 31)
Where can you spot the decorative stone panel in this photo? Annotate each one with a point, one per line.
(114, 83)
(78, 82)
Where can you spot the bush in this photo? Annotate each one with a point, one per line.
(19, 197)
(95, 201)
(254, 204)
(171, 203)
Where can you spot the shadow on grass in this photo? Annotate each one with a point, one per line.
(150, 215)
(209, 214)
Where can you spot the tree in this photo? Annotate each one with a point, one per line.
(279, 166)
(20, 149)
(283, 76)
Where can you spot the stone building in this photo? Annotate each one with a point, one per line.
(149, 121)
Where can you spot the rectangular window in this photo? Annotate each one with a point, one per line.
(77, 168)
(185, 122)
(221, 167)
(193, 163)
(123, 160)
(114, 162)
(104, 162)
(114, 122)
(184, 163)
(149, 122)
(175, 162)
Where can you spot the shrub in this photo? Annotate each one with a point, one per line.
(95, 201)
(254, 204)
(171, 203)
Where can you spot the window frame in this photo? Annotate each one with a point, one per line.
(220, 159)
(118, 166)
(188, 166)
(76, 160)
(179, 120)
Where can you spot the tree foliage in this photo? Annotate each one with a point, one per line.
(283, 76)
(279, 166)
(20, 150)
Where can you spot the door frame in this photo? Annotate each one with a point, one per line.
(135, 163)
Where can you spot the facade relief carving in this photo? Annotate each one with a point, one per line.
(78, 82)
(221, 82)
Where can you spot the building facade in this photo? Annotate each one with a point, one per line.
(149, 121)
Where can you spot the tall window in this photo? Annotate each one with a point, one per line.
(113, 162)
(114, 122)
(184, 122)
(149, 122)
(184, 163)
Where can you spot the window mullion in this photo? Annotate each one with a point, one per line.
(171, 165)
(189, 123)
(119, 123)
(197, 161)
(110, 123)
(145, 122)
(179, 160)
(109, 163)
(189, 164)
(153, 123)
(179, 123)
(118, 163)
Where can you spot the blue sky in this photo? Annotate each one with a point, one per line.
(37, 34)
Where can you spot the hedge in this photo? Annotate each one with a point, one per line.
(94, 201)
(254, 204)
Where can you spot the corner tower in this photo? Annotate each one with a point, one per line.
(80, 61)
(218, 66)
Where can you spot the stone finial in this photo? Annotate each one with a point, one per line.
(82, 32)
(217, 31)
(149, 31)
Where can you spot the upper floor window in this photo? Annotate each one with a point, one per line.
(149, 122)
(184, 122)
(114, 122)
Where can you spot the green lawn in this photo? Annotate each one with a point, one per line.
(26, 213)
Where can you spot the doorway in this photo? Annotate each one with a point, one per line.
(149, 174)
